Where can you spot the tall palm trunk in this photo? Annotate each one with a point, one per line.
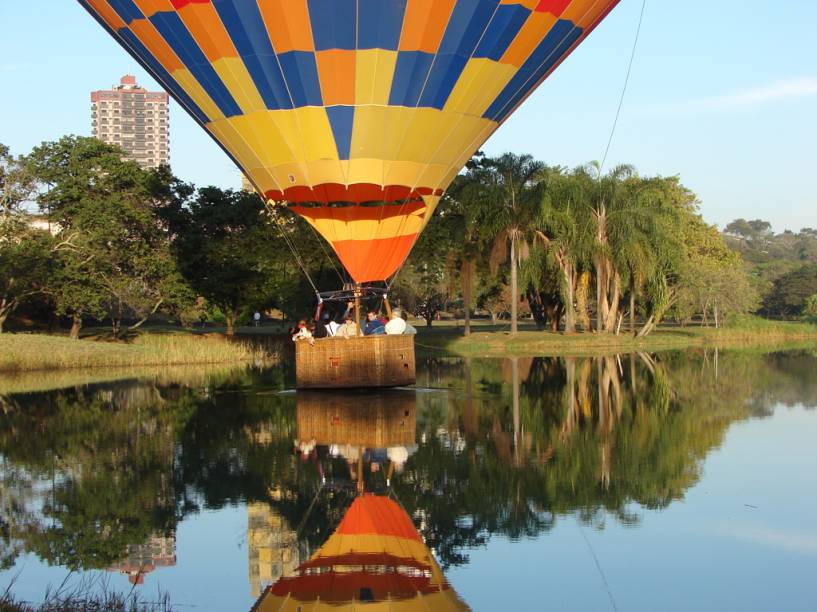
(514, 287)
(466, 276)
(601, 298)
(582, 287)
(516, 418)
(614, 295)
(570, 310)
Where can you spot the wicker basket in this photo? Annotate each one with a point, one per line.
(373, 420)
(368, 361)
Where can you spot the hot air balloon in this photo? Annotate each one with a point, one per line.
(357, 114)
(375, 560)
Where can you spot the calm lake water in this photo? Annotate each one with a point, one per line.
(677, 481)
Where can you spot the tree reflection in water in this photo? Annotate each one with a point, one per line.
(502, 447)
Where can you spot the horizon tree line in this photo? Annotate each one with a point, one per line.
(574, 249)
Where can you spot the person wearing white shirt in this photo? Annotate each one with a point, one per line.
(396, 325)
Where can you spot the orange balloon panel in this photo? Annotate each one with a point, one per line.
(351, 103)
(375, 554)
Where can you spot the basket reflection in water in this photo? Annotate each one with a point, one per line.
(368, 361)
(375, 558)
(371, 421)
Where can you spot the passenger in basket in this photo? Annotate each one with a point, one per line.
(374, 326)
(410, 330)
(303, 333)
(332, 326)
(349, 328)
(397, 325)
(321, 328)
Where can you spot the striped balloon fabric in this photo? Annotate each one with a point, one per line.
(375, 560)
(357, 113)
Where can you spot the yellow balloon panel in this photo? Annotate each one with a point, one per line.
(351, 102)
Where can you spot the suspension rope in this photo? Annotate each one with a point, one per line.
(308, 512)
(624, 88)
(277, 221)
(326, 253)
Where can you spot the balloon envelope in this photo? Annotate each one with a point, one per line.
(358, 113)
(375, 560)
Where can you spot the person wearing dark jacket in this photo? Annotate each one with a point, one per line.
(320, 327)
(374, 326)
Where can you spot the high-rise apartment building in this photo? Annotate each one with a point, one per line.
(135, 119)
(273, 546)
(142, 559)
(246, 185)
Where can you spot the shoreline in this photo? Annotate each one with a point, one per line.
(550, 344)
(32, 353)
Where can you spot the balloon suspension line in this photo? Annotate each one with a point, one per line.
(624, 88)
(326, 253)
(308, 511)
(295, 255)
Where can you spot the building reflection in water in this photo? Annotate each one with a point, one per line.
(273, 546)
(142, 559)
(375, 556)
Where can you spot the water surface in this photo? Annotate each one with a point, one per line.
(676, 481)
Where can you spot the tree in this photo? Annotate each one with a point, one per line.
(756, 232)
(227, 248)
(24, 263)
(565, 236)
(420, 290)
(16, 182)
(810, 310)
(509, 199)
(711, 279)
(459, 210)
(112, 254)
(631, 220)
(789, 293)
(23, 251)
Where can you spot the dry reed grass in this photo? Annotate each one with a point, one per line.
(38, 352)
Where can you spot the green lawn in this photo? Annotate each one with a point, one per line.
(495, 341)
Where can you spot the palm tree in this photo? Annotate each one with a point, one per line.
(509, 201)
(645, 247)
(632, 222)
(462, 209)
(565, 234)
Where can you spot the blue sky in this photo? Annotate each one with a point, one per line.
(723, 93)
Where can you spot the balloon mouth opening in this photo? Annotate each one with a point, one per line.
(347, 204)
(357, 194)
(371, 228)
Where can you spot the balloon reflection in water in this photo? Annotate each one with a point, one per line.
(375, 556)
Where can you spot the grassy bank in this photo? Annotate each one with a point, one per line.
(38, 352)
(186, 375)
(491, 342)
(21, 353)
(90, 595)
